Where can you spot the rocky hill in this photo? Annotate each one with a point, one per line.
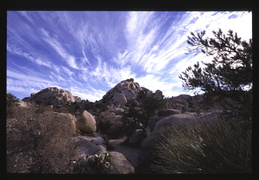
(118, 96)
(124, 91)
(52, 96)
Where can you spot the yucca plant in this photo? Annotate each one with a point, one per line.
(207, 147)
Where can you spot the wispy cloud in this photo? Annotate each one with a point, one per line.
(30, 55)
(57, 46)
(90, 52)
(91, 94)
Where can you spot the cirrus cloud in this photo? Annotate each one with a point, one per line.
(88, 52)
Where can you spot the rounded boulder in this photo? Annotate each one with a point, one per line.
(167, 112)
(86, 123)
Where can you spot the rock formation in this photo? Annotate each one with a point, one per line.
(124, 91)
(52, 96)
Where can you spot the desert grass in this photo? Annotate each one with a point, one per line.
(221, 146)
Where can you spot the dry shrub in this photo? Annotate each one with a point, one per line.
(110, 124)
(208, 147)
(38, 142)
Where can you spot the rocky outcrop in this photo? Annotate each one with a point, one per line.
(52, 96)
(89, 145)
(86, 122)
(181, 102)
(126, 90)
(121, 93)
(94, 146)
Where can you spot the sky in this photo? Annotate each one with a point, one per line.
(89, 52)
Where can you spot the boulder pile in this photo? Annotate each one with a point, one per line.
(52, 96)
(101, 124)
(122, 92)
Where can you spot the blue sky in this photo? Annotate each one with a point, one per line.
(89, 52)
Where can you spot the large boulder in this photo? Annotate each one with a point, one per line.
(120, 165)
(52, 96)
(185, 119)
(86, 122)
(167, 112)
(177, 119)
(89, 145)
(137, 137)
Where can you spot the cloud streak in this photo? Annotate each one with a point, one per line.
(88, 53)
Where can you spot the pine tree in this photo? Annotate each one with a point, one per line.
(229, 73)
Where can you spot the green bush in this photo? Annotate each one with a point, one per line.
(207, 147)
(138, 115)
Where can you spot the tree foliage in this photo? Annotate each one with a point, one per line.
(140, 111)
(229, 73)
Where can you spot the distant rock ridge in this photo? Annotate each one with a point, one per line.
(52, 96)
(118, 96)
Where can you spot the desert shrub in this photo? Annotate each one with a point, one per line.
(95, 164)
(11, 102)
(38, 142)
(207, 147)
(149, 151)
(110, 124)
(138, 114)
(67, 109)
(42, 109)
(88, 106)
(101, 106)
(11, 99)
